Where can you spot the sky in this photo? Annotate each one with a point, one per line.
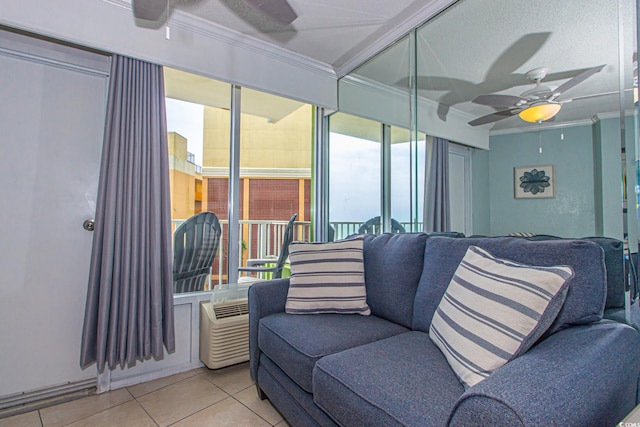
(354, 180)
(187, 119)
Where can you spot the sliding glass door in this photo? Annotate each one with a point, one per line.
(354, 177)
(274, 142)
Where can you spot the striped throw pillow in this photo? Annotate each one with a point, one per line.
(327, 278)
(493, 311)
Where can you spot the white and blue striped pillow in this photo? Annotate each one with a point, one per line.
(493, 311)
(327, 278)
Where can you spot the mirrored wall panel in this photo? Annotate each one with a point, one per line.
(542, 97)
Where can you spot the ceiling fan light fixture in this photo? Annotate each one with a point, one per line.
(540, 113)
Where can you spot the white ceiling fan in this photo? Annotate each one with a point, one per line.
(535, 105)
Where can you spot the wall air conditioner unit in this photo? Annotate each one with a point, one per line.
(224, 333)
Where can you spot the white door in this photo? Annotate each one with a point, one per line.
(52, 109)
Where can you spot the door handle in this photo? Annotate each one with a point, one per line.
(88, 224)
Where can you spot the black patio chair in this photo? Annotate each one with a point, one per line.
(270, 265)
(195, 243)
(374, 226)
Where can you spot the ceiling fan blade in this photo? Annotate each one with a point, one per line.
(149, 10)
(499, 100)
(493, 117)
(578, 79)
(595, 95)
(277, 10)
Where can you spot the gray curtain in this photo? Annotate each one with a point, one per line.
(129, 311)
(436, 210)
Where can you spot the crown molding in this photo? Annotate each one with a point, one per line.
(239, 40)
(611, 115)
(542, 126)
(394, 31)
(374, 86)
(563, 125)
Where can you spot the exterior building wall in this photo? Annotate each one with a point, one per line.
(218, 196)
(182, 178)
(182, 194)
(272, 198)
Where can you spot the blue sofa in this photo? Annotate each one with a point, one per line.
(384, 370)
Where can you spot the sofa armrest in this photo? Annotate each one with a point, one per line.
(582, 375)
(265, 298)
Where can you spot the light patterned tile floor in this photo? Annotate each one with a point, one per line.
(223, 397)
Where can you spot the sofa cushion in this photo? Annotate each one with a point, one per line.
(614, 262)
(327, 278)
(295, 343)
(402, 380)
(493, 311)
(392, 269)
(586, 291)
(295, 404)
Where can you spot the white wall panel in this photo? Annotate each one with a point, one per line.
(52, 119)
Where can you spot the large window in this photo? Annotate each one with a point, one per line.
(407, 178)
(276, 141)
(354, 181)
(198, 137)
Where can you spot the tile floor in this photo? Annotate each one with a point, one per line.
(224, 397)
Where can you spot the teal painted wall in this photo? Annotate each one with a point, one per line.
(571, 212)
(587, 172)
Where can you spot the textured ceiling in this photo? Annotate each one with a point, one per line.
(475, 47)
(331, 31)
(486, 46)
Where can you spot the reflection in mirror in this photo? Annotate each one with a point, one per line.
(354, 178)
(475, 75)
(629, 118)
(407, 178)
(478, 65)
(381, 113)
(367, 91)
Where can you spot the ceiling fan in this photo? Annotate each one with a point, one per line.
(535, 105)
(279, 11)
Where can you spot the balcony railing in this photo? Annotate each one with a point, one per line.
(263, 238)
(345, 229)
(258, 239)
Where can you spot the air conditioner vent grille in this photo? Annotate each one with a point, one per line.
(224, 333)
(224, 310)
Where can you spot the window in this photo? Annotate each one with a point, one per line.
(276, 142)
(354, 178)
(198, 139)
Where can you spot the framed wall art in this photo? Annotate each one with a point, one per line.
(534, 182)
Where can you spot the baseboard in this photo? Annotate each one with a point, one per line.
(32, 400)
